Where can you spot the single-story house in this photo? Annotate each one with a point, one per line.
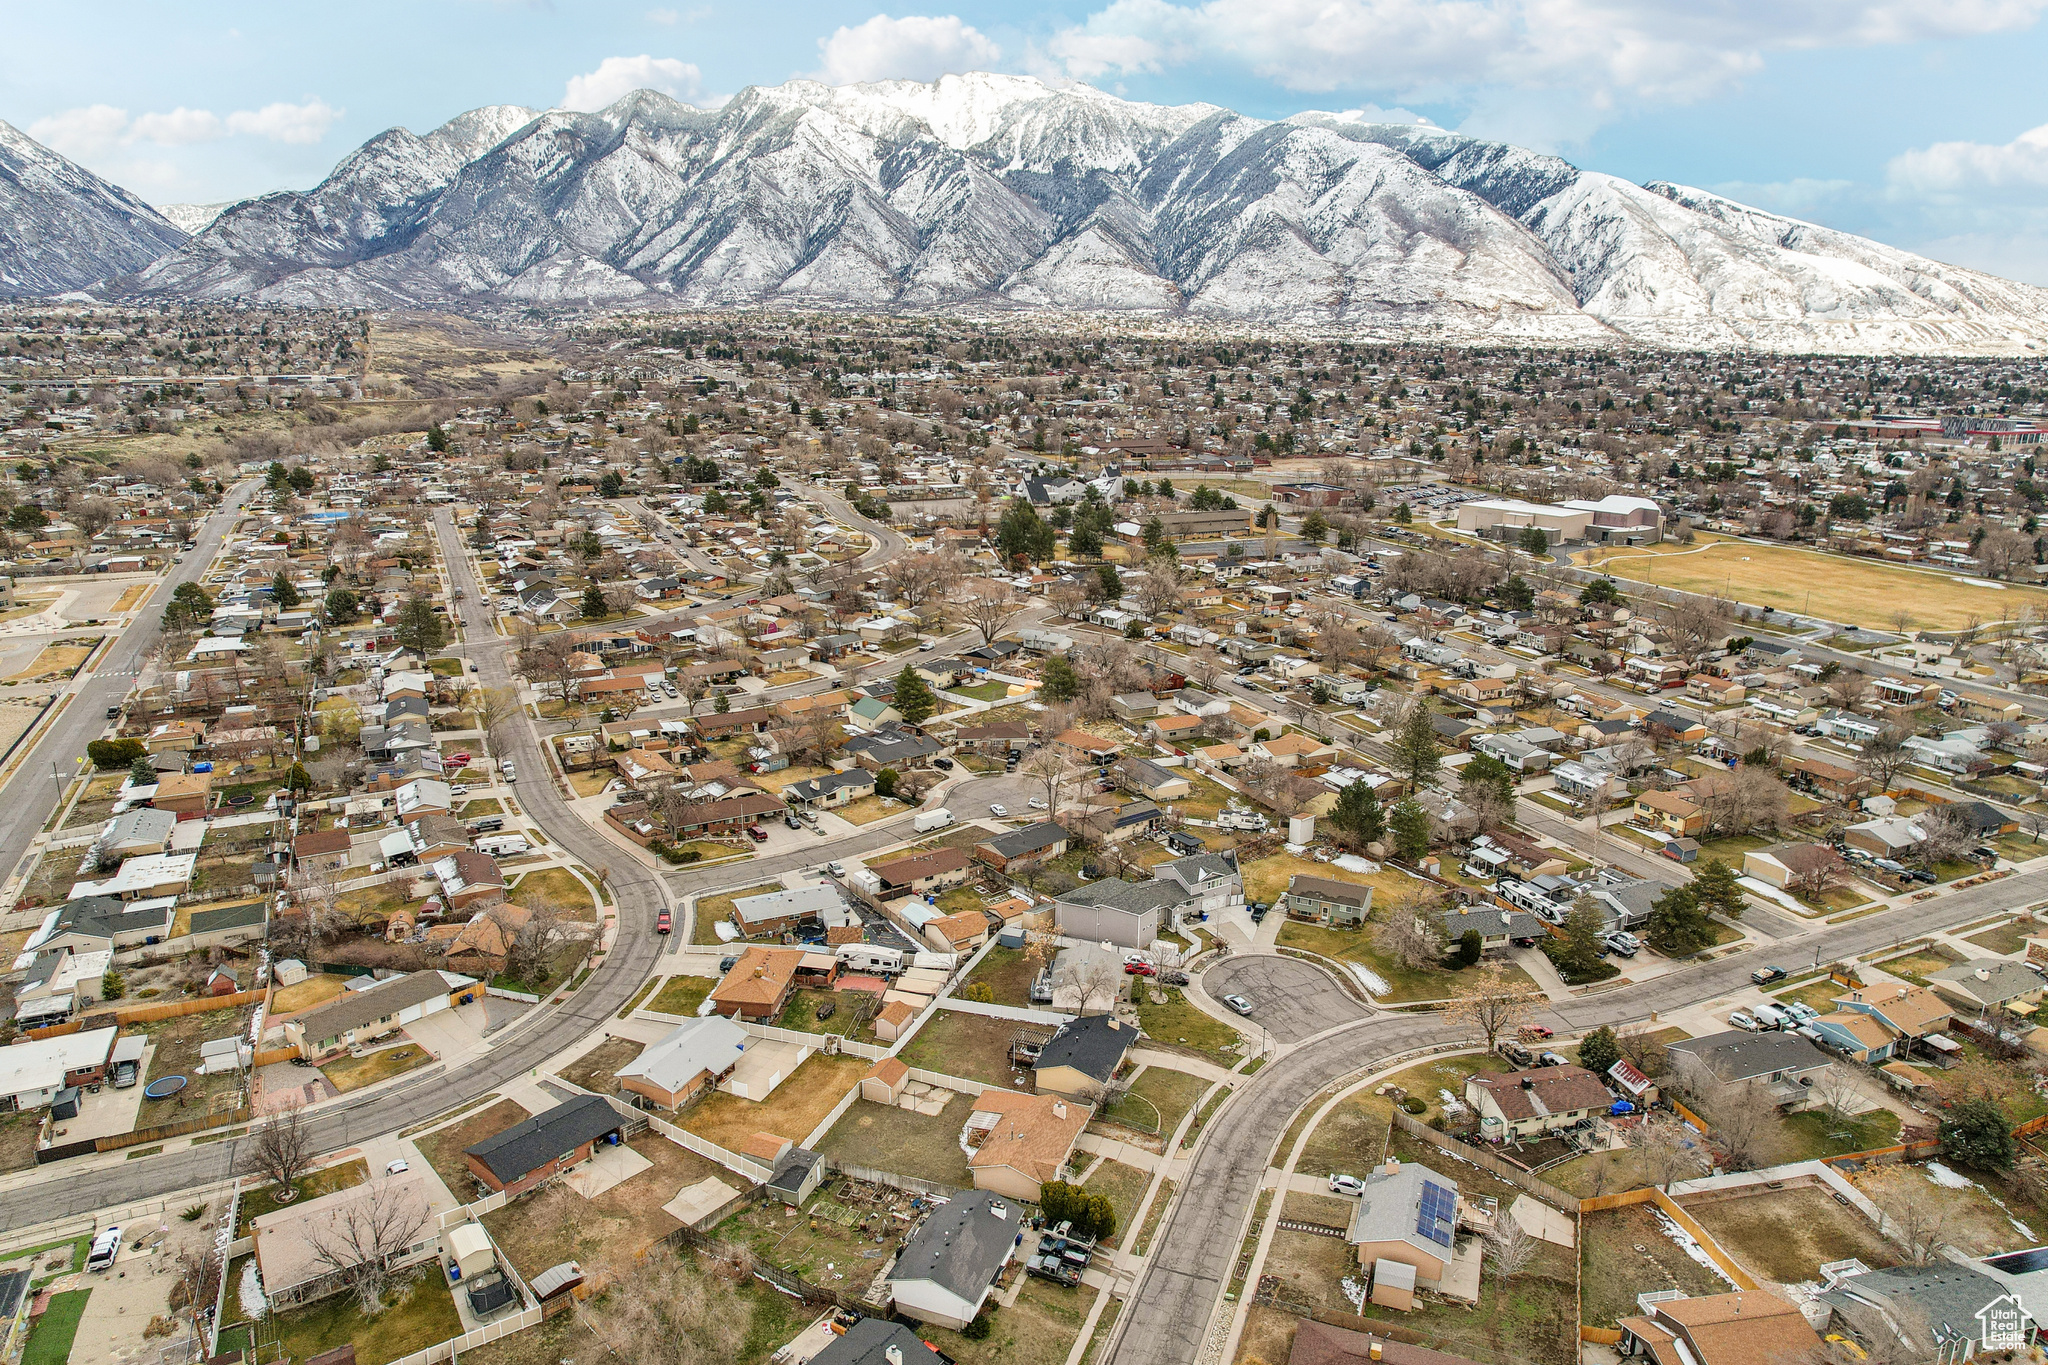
(332, 1028)
(758, 984)
(1022, 848)
(946, 1269)
(290, 1241)
(1531, 1103)
(1021, 1141)
(1988, 983)
(1079, 1060)
(689, 1059)
(544, 1146)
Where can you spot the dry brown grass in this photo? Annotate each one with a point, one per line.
(443, 1148)
(797, 1106)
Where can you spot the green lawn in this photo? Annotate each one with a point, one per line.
(1404, 983)
(988, 691)
(1179, 1024)
(801, 1014)
(50, 1341)
(1157, 1100)
(1124, 1186)
(422, 1315)
(2009, 937)
(1008, 972)
(682, 994)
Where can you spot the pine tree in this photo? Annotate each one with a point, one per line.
(283, 592)
(1058, 681)
(1410, 825)
(1598, 1050)
(1578, 951)
(593, 602)
(418, 626)
(1416, 754)
(1679, 924)
(913, 700)
(1719, 893)
(437, 439)
(1357, 814)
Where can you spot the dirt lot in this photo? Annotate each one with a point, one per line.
(1787, 1235)
(827, 1242)
(797, 1106)
(443, 1149)
(557, 1224)
(595, 1069)
(970, 1045)
(1613, 1272)
(1980, 1221)
(903, 1141)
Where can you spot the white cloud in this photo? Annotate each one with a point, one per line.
(179, 128)
(99, 129)
(916, 47)
(91, 131)
(1373, 113)
(2014, 170)
(297, 123)
(1594, 49)
(663, 16)
(617, 77)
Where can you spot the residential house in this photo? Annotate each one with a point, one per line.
(1784, 1065)
(34, 1072)
(1788, 866)
(727, 816)
(1831, 780)
(468, 878)
(688, 1060)
(287, 1241)
(1747, 1327)
(895, 747)
(1671, 727)
(831, 790)
(329, 1029)
(1326, 900)
(1984, 984)
(948, 1266)
(1129, 914)
(1670, 813)
(1291, 751)
(1404, 1231)
(183, 794)
(1525, 1104)
(1086, 748)
(923, 873)
(543, 1146)
(874, 1341)
(132, 833)
(872, 713)
(1023, 848)
(1147, 778)
(1888, 836)
(1902, 1015)
(321, 850)
(1941, 1312)
(1496, 927)
(784, 912)
(1018, 1142)
(1317, 1343)
(1133, 706)
(149, 877)
(1080, 1060)
(758, 985)
(1000, 738)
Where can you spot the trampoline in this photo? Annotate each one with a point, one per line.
(163, 1087)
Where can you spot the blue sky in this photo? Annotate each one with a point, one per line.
(1918, 122)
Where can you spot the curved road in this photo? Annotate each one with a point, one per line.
(633, 956)
(1171, 1305)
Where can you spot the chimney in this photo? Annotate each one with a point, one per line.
(1528, 1084)
(1391, 1166)
(1059, 1109)
(1983, 973)
(1372, 1352)
(893, 1354)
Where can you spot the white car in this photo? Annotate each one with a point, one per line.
(998, 810)
(508, 772)
(459, 789)
(1346, 1184)
(1037, 803)
(398, 1167)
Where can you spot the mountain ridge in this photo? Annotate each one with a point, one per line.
(988, 193)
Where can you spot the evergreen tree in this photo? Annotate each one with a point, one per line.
(419, 626)
(1111, 582)
(1679, 924)
(1577, 953)
(1977, 1133)
(913, 700)
(1085, 542)
(437, 439)
(1598, 1050)
(1058, 680)
(1416, 754)
(141, 773)
(297, 779)
(1357, 814)
(593, 602)
(342, 606)
(1714, 882)
(611, 485)
(1535, 541)
(1470, 946)
(1314, 527)
(1022, 536)
(301, 480)
(1410, 826)
(885, 782)
(283, 592)
(1485, 772)
(191, 606)
(274, 477)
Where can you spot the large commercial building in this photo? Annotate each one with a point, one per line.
(1615, 519)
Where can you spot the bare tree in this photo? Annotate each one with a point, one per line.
(530, 947)
(990, 609)
(1917, 1215)
(1693, 626)
(362, 1241)
(1826, 872)
(1743, 1114)
(1069, 598)
(1946, 834)
(1882, 756)
(1493, 1006)
(1054, 769)
(1667, 1149)
(495, 707)
(1836, 1090)
(1096, 980)
(1848, 688)
(281, 1148)
(1509, 1249)
(1640, 1046)
(671, 1309)
(1411, 935)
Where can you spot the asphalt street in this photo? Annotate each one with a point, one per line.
(33, 794)
(1171, 1305)
(1291, 999)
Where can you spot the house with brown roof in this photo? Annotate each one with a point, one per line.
(923, 873)
(758, 985)
(1079, 744)
(1748, 1327)
(1831, 780)
(728, 816)
(1531, 1103)
(1000, 738)
(1021, 1141)
(175, 736)
(644, 770)
(183, 793)
(321, 850)
(1174, 727)
(958, 933)
(1670, 813)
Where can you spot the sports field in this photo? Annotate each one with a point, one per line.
(1863, 592)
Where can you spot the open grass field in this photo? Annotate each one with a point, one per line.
(49, 1342)
(54, 661)
(1789, 1235)
(1861, 592)
(353, 1073)
(303, 995)
(903, 1141)
(1179, 1025)
(420, 1315)
(555, 888)
(682, 994)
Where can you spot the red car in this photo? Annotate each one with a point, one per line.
(757, 834)
(1140, 969)
(661, 923)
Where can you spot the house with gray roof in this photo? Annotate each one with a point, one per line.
(1988, 983)
(1326, 900)
(1496, 927)
(1940, 1312)
(543, 1146)
(1082, 1057)
(1785, 1065)
(1111, 911)
(1022, 848)
(690, 1058)
(1404, 1230)
(877, 1341)
(830, 790)
(893, 747)
(947, 1269)
(1144, 776)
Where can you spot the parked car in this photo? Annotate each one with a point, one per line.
(1922, 875)
(1140, 969)
(1744, 1019)
(791, 821)
(757, 834)
(998, 810)
(1621, 944)
(1764, 976)
(1801, 1012)
(662, 922)
(1173, 978)
(459, 789)
(1346, 1184)
(1536, 1033)
(725, 963)
(1036, 803)
(1238, 1003)
(398, 1167)
(942, 763)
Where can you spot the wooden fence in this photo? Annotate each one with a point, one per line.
(1487, 1161)
(149, 1012)
(910, 1184)
(114, 1142)
(1650, 1194)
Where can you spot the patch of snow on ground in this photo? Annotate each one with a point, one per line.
(1369, 979)
(1355, 1292)
(251, 1289)
(1351, 862)
(1948, 1179)
(1689, 1246)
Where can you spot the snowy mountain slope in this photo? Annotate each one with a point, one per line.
(996, 192)
(192, 219)
(62, 227)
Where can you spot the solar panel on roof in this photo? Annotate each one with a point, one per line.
(1437, 1214)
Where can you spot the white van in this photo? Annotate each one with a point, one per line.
(105, 1249)
(504, 845)
(1773, 1017)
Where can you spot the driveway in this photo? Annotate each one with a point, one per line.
(1291, 998)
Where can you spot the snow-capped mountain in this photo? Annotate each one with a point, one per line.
(987, 193)
(192, 218)
(62, 227)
